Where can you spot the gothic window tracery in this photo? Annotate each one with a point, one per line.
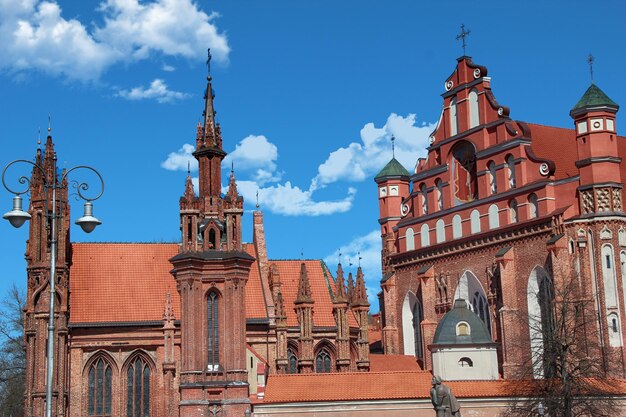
(138, 388)
(322, 361)
(464, 172)
(99, 388)
(213, 330)
(292, 358)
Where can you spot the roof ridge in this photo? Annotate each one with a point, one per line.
(330, 374)
(125, 243)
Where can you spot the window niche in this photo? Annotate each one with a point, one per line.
(465, 184)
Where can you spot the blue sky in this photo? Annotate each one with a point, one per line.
(307, 93)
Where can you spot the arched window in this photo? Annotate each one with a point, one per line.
(541, 322)
(454, 122)
(292, 367)
(534, 206)
(464, 172)
(494, 217)
(513, 211)
(466, 362)
(440, 231)
(99, 388)
(493, 182)
(138, 389)
(424, 197)
(409, 235)
(322, 361)
(457, 227)
(439, 185)
(462, 329)
(608, 274)
(425, 235)
(213, 330)
(510, 165)
(470, 290)
(474, 119)
(412, 317)
(475, 221)
(212, 239)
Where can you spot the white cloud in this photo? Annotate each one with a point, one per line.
(158, 91)
(35, 36)
(367, 247)
(172, 27)
(168, 68)
(177, 161)
(255, 153)
(361, 160)
(290, 200)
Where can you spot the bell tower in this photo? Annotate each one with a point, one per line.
(211, 272)
(600, 189)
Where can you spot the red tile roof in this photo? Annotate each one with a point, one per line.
(356, 386)
(389, 363)
(128, 282)
(121, 282)
(557, 144)
(349, 386)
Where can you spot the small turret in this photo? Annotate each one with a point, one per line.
(598, 159)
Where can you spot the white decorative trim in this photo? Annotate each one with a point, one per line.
(477, 73)
(449, 85)
(544, 169)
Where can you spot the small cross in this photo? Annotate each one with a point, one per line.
(462, 36)
(590, 60)
(393, 146)
(208, 60)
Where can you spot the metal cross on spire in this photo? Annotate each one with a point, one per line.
(464, 34)
(590, 60)
(208, 60)
(393, 146)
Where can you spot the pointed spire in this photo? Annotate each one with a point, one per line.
(190, 193)
(232, 187)
(350, 288)
(340, 286)
(168, 314)
(49, 158)
(280, 305)
(210, 135)
(360, 293)
(304, 288)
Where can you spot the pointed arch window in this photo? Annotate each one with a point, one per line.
(322, 362)
(513, 211)
(213, 330)
(418, 317)
(138, 389)
(99, 389)
(534, 205)
(292, 358)
(410, 239)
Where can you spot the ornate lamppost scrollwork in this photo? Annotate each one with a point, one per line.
(17, 217)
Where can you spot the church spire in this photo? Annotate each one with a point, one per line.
(304, 288)
(340, 286)
(360, 294)
(210, 136)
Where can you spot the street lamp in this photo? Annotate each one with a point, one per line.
(17, 217)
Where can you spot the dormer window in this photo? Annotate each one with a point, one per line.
(463, 329)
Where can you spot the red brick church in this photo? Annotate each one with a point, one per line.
(478, 232)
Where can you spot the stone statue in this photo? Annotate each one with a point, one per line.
(443, 400)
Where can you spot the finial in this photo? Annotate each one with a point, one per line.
(350, 263)
(302, 254)
(257, 198)
(359, 254)
(208, 61)
(462, 36)
(49, 124)
(188, 167)
(232, 167)
(590, 60)
(339, 257)
(39, 138)
(393, 146)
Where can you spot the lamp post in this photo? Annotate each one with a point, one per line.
(17, 217)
